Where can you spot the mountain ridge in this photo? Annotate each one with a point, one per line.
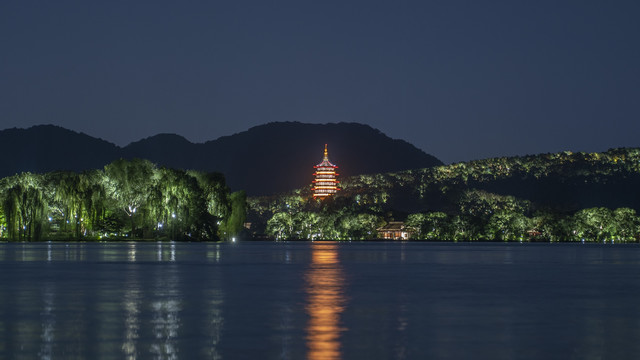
(265, 159)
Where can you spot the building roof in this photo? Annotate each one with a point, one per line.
(393, 226)
(325, 161)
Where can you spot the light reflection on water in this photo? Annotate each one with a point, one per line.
(131, 306)
(325, 303)
(165, 320)
(48, 323)
(289, 301)
(216, 322)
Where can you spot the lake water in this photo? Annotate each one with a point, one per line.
(319, 300)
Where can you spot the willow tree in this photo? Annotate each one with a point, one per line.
(177, 203)
(215, 193)
(24, 207)
(94, 197)
(66, 192)
(234, 223)
(128, 184)
(11, 209)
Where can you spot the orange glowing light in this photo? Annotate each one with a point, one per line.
(325, 183)
(326, 302)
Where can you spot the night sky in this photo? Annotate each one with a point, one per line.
(461, 80)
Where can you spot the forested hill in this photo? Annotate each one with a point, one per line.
(562, 196)
(266, 159)
(564, 181)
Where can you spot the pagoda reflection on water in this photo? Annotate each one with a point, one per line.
(325, 183)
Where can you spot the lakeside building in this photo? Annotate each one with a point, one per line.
(325, 182)
(394, 230)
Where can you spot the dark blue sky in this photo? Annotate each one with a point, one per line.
(459, 79)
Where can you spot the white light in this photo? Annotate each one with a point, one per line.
(233, 239)
(173, 215)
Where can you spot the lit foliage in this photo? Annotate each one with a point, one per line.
(429, 226)
(24, 207)
(596, 166)
(461, 202)
(323, 226)
(234, 222)
(587, 225)
(128, 199)
(602, 225)
(508, 226)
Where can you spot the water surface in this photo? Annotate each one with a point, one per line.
(320, 300)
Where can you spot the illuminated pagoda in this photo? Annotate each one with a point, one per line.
(325, 183)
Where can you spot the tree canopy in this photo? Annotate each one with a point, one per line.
(127, 200)
(564, 196)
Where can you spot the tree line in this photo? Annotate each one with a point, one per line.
(587, 225)
(128, 199)
(481, 217)
(549, 197)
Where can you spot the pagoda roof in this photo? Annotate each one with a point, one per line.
(325, 161)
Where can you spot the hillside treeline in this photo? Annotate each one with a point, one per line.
(480, 216)
(126, 200)
(550, 197)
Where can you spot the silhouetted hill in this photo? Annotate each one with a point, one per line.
(47, 148)
(278, 157)
(265, 159)
(170, 150)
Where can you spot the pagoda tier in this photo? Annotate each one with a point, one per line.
(325, 183)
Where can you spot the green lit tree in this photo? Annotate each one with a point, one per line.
(25, 207)
(507, 226)
(215, 193)
(548, 226)
(594, 224)
(234, 223)
(128, 184)
(430, 226)
(627, 224)
(280, 226)
(462, 229)
(359, 226)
